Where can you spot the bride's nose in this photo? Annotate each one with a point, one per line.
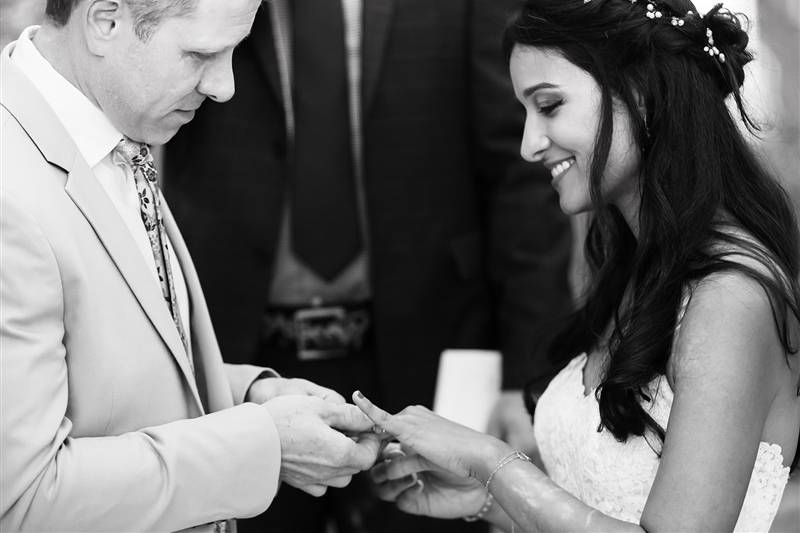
(534, 141)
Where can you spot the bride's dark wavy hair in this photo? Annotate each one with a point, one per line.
(696, 166)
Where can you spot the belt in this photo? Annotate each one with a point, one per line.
(318, 332)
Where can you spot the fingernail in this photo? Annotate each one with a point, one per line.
(359, 395)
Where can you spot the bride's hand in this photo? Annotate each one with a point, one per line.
(435, 492)
(443, 443)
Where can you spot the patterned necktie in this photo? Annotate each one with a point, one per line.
(140, 159)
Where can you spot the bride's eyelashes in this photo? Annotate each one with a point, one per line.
(548, 109)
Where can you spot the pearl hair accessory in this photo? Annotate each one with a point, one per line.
(712, 50)
(653, 13)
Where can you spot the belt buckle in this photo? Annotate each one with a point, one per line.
(320, 333)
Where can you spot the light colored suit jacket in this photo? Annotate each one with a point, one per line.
(105, 423)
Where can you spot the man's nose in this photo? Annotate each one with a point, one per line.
(217, 82)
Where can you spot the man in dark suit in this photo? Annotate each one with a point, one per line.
(361, 206)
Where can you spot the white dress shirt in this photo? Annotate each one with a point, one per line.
(96, 138)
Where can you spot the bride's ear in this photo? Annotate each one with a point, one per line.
(641, 105)
(641, 109)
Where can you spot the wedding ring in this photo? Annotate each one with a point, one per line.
(378, 429)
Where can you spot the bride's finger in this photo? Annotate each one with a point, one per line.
(390, 490)
(409, 502)
(399, 467)
(383, 420)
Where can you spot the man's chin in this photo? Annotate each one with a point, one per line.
(166, 128)
(160, 136)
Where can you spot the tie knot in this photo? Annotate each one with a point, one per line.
(138, 156)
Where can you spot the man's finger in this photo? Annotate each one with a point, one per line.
(334, 397)
(364, 451)
(347, 418)
(339, 482)
(329, 395)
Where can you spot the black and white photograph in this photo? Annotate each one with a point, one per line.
(399, 266)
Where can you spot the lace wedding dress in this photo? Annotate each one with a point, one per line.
(616, 477)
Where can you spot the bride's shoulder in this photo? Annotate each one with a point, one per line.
(729, 315)
(740, 265)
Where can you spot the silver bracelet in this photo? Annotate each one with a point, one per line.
(513, 456)
(487, 504)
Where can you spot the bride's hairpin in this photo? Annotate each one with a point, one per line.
(654, 13)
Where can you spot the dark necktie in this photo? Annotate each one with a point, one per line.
(140, 159)
(325, 229)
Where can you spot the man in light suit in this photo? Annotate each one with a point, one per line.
(117, 412)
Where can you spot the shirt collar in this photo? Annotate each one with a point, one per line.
(89, 127)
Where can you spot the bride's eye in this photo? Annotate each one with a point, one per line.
(549, 109)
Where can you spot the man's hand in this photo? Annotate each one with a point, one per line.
(316, 451)
(265, 389)
(511, 423)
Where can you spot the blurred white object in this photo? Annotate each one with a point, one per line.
(468, 386)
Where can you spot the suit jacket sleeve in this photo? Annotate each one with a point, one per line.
(529, 237)
(167, 477)
(241, 376)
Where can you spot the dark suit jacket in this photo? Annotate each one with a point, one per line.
(468, 246)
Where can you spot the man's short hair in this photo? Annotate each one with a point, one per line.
(147, 14)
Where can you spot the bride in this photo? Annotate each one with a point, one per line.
(682, 411)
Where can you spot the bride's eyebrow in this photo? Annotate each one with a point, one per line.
(544, 85)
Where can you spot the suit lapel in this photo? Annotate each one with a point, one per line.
(82, 186)
(377, 15)
(263, 42)
(23, 101)
(209, 371)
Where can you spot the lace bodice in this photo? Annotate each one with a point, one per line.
(616, 477)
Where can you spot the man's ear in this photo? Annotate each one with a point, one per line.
(104, 22)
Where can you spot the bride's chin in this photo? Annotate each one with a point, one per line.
(570, 207)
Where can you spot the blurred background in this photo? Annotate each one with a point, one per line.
(771, 91)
